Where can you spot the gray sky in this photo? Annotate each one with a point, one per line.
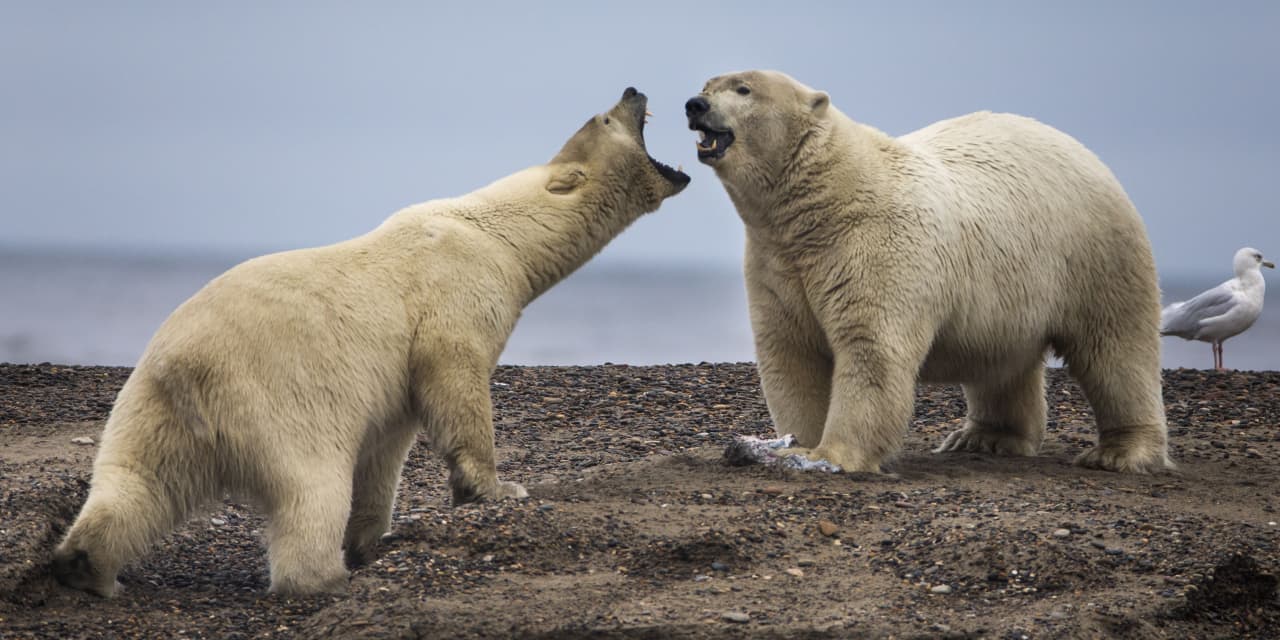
(250, 127)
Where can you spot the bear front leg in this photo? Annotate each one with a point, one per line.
(794, 366)
(458, 415)
(872, 396)
(376, 477)
(125, 513)
(797, 388)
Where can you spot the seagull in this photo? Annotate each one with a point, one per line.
(1223, 311)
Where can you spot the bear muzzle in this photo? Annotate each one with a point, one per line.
(713, 140)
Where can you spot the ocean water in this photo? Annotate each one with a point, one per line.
(100, 309)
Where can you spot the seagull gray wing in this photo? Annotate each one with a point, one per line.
(1184, 318)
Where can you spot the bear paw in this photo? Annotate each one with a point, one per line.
(978, 440)
(1125, 460)
(499, 490)
(72, 568)
(359, 554)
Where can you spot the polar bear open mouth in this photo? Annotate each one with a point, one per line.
(711, 142)
(675, 176)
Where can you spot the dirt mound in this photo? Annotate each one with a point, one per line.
(1238, 582)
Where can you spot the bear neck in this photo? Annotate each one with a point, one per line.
(546, 237)
(798, 200)
(550, 244)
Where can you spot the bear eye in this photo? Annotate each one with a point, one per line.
(742, 91)
(606, 119)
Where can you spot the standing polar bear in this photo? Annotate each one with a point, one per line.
(299, 380)
(957, 253)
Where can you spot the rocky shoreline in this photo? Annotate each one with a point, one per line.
(636, 528)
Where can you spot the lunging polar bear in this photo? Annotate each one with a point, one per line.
(957, 253)
(299, 380)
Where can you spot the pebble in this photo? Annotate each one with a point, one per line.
(809, 562)
(82, 440)
(942, 588)
(799, 573)
(719, 566)
(1061, 533)
(772, 490)
(217, 522)
(735, 616)
(828, 528)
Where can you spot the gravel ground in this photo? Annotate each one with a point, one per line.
(636, 527)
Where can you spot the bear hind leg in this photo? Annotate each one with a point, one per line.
(1123, 387)
(1006, 418)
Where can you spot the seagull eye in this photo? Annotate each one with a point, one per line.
(742, 91)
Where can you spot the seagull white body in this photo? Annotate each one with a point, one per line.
(1223, 311)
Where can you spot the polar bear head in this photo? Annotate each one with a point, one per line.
(753, 121)
(606, 161)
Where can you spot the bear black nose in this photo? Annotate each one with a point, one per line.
(696, 106)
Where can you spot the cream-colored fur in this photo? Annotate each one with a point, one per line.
(960, 253)
(299, 380)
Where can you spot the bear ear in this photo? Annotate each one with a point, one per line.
(566, 179)
(818, 102)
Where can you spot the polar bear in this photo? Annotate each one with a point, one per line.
(958, 253)
(299, 380)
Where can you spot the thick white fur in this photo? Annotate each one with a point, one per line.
(957, 253)
(299, 380)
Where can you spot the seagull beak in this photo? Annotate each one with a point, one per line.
(1268, 264)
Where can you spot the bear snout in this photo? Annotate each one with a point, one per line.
(695, 107)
